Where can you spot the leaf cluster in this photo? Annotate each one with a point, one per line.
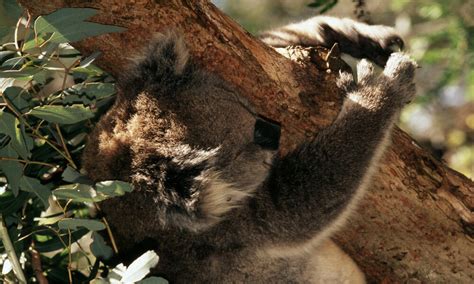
(50, 97)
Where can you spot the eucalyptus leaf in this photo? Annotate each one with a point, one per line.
(89, 59)
(18, 97)
(26, 72)
(140, 267)
(20, 142)
(77, 192)
(11, 10)
(9, 203)
(33, 185)
(62, 114)
(113, 188)
(5, 55)
(13, 63)
(56, 243)
(69, 25)
(12, 170)
(49, 220)
(77, 99)
(74, 224)
(95, 90)
(99, 248)
(73, 176)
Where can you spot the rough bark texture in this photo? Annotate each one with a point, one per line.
(416, 223)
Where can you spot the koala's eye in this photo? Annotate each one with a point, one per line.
(267, 133)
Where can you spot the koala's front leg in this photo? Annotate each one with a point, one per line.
(359, 40)
(313, 187)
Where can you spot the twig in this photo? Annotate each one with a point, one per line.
(109, 230)
(10, 249)
(69, 264)
(65, 146)
(27, 162)
(111, 236)
(38, 134)
(37, 267)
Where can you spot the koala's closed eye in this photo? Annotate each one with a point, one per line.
(267, 133)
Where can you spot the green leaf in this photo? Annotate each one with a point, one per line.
(113, 188)
(22, 143)
(55, 242)
(72, 99)
(69, 25)
(154, 280)
(13, 63)
(26, 72)
(95, 90)
(317, 3)
(17, 96)
(33, 185)
(5, 55)
(91, 58)
(73, 176)
(10, 203)
(62, 114)
(12, 170)
(99, 248)
(10, 10)
(77, 192)
(74, 224)
(49, 220)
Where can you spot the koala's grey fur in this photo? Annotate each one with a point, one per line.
(214, 205)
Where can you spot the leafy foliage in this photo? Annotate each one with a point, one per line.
(49, 98)
(323, 5)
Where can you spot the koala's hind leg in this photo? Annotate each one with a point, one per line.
(330, 264)
(375, 42)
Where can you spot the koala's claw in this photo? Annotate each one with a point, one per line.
(394, 44)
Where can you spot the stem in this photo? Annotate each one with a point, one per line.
(7, 243)
(111, 236)
(69, 265)
(17, 27)
(65, 146)
(27, 162)
(38, 134)
(109, 230)
(37, 267)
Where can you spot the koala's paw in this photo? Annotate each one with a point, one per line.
(398, 76)
(393, 88)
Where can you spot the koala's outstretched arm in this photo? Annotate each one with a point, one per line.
(312, 188)
(359, 40)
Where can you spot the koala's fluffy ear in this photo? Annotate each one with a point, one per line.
(164, 63)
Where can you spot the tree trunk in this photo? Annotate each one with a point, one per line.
(417, 221)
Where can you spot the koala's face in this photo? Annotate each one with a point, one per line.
(204, 146)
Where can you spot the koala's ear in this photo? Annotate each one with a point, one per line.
(163, 64)
(267, 133)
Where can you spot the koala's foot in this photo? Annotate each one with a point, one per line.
(392, 89)
(399, 74)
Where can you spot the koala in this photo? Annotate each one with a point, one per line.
(219, 205)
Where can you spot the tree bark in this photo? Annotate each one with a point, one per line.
(417, 221)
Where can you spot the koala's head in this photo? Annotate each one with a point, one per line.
(193, 142)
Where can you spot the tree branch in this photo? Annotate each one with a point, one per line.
(415, 223)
